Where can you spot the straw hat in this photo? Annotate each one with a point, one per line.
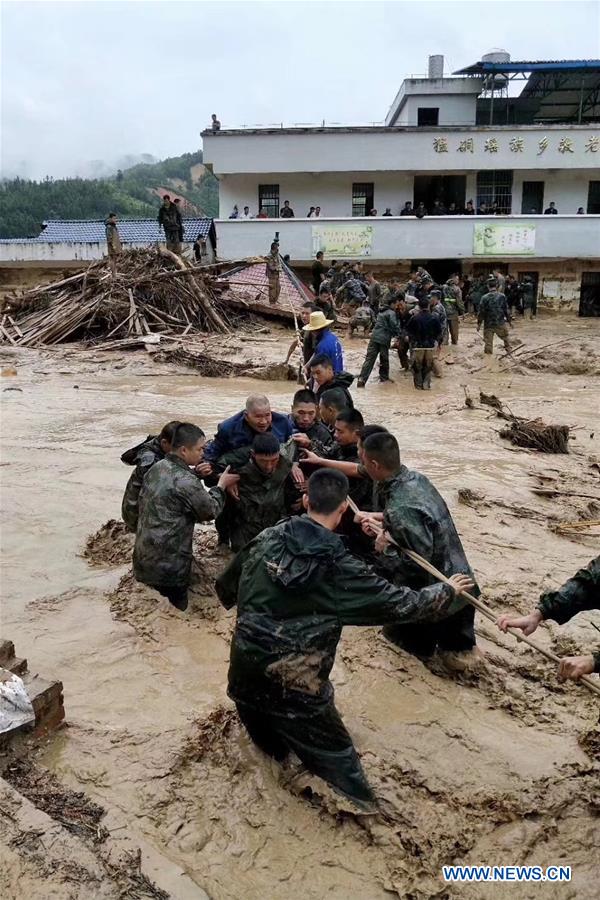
(317, 321)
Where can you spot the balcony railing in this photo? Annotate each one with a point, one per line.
(388, 239)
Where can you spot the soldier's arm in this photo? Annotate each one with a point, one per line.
(204, 505)
(227, 583)
(234, 458)
(579, 593)
(365, 599)
(410, 527)
(480, 312)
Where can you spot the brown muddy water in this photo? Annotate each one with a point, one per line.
(498, 768)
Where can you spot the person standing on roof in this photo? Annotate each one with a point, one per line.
(113, 242)
(181, 232)
(169, 219)
(274, 267)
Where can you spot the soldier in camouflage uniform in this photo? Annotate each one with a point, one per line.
(578, 594)
(363, 318)
(265, 492)
(454, 306)
(438, 309)
(274, 268)
(113, 241)
(384, 331)
(171, 501)
(351, 293)
(296, 586)
(143, 457)
(170, 219)
(416, 517)
(494, 315)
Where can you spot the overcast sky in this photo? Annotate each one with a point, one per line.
(85, 81)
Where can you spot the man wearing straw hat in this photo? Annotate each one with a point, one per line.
(326, 341)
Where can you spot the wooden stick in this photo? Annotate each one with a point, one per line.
(474, 601)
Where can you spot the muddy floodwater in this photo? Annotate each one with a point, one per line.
(497, 768)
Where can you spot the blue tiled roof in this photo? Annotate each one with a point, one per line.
(132, 231)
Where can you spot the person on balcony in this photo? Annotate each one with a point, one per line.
(311, 213)
(421, 211)
(246, 213)
(552, 210)
(469, 209)
(262, 214)
(317, 214)
(388, 212)
(287, 212)
(438, 209)
(407, 209)
(235, 213)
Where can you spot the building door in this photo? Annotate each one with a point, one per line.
(593, 203)
(439, 269)
(446, 188)
(589, 298)
(535, 277)
(533, 198)
(363, 198)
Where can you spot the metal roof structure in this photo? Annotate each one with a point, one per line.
(131, 231)
(249, 286)
(514, 66)
(561, 90)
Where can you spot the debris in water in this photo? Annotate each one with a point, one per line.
(111, 545)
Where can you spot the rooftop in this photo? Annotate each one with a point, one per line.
(92, 231)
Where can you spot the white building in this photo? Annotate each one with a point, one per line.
(450, 139)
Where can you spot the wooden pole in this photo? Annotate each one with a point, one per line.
(476, 602)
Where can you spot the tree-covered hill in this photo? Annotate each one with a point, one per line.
(131, 193)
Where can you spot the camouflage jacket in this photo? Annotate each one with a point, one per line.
(296, 586)
(439, 310)
(143, 458)
(354, 291)
(264, 500)
(113, 239)
(169, 217)
(274, 265)
(453, 301)
(493, 310)
(172, 500)
(579, 593)
(417, 517)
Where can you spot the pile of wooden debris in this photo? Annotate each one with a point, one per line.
(153, 293)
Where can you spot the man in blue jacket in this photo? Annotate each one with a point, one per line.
(241, 429)
(236, 433)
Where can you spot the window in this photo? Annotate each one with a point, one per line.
(428, 115)
(495, 187)
(593, 204)
(268, 199)
(362, 198)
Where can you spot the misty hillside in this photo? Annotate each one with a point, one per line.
(131, 193)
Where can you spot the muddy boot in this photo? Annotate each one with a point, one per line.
(465, 661)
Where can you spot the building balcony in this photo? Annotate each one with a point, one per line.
(388, 240)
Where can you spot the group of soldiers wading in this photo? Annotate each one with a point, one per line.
(283, 490)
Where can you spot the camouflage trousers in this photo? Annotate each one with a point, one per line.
(274, 287)
(488, 337)
(173, 242)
